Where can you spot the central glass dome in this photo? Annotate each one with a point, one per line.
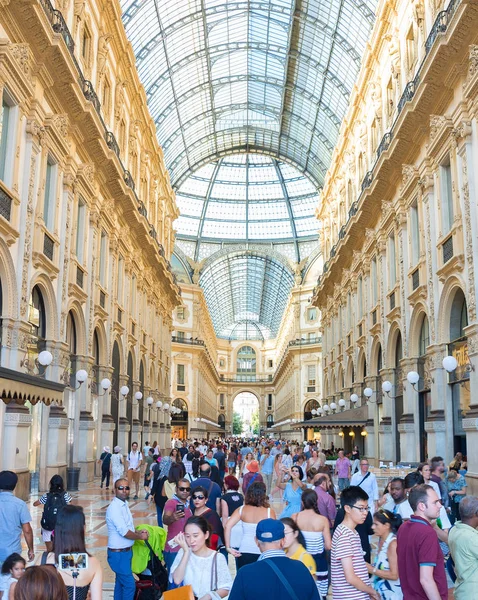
(247, 197)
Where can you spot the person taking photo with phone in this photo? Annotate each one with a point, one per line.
(176, 513)
(121, 536)
(69, 538)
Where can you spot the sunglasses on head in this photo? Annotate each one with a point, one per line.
(183, 489)
(198, 497)
(123, 487)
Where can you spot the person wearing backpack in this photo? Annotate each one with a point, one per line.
(52, 501)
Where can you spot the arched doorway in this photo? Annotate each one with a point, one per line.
(71, 343)
(129, 401)
(458, 347)
(309, 407)
(141, 402)
(399, 388)
(115, 385)
(424, 395)
(179, 422)
(245, 419)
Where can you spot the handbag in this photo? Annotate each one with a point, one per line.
(184, 592)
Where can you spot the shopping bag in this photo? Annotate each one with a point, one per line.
(184, 592)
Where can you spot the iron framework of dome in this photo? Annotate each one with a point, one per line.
(236, 76)
(247, 198)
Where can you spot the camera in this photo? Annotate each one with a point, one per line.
(73, 562)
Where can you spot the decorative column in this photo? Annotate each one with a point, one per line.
(439, 424)
(16, 442)
(124, 424)
(105, 423)
(136, 426)
(470, 422)
(409, 441)
(387, 452)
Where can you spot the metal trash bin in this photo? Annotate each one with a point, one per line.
(72, 478)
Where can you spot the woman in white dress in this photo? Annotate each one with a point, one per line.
(247, 461)
(117, 465)
(385, 570)
(199, 566)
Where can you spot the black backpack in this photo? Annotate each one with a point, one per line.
(54, 501)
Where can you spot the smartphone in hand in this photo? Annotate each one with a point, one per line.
(180, 508)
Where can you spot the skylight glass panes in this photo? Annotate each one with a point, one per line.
(214, 72)
(247, 197)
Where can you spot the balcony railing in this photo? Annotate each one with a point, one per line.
(59, 25)
(306, 341)
(48, 246)
(246, 378)
(440, 26)
(190, 341)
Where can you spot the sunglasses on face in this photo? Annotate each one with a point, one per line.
(198, 497)
(183, 489)
(123, 487)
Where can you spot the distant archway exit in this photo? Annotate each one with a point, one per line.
(246, 414)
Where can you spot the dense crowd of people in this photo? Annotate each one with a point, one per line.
(215, 504)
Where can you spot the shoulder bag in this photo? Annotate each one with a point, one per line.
(283, 580)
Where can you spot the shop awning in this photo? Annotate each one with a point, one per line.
(355, 417)
(20, 387)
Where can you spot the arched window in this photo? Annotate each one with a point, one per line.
(71, 342)
(309, 407)
(96, 358)
(458, 317)
(246, 360)
(37, 316)
(424, 339)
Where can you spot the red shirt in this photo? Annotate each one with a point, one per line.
(417, 545)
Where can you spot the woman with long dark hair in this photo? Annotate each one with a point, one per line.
(316, 532)
(70, 539)
(160, 474)
(40, 583)
(52, 502)
(199, 566)
(256, 507)
(385, 569)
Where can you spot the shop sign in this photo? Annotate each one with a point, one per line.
(459, 350)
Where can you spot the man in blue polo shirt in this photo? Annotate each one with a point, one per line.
(418, 551)
(274, 575)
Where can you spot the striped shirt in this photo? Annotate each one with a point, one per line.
(346, 543)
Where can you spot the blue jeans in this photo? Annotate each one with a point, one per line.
(344, 482)
(159, 514)
(169, 559)
(120, 564)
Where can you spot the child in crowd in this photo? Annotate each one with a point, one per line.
(12, 569)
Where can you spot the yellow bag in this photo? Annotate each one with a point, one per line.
(184, 592)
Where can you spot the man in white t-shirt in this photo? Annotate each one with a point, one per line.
(368, 482)
(135, 460)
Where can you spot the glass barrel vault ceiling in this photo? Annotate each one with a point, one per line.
(246, 293)
(247, 197)
(226, 76)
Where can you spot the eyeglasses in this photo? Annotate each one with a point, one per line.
(288, 532)
(199, 497)
(362, 509)
(123, 487)
(183, 489)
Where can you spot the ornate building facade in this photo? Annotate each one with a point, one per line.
(209, 373)
(399, 216)
(86, 212)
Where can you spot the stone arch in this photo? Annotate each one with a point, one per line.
(9, 283)
(326, 386)
(152, 376)
(242, 391)
(361, 366)
(340, 378)
(419, 313)
(333, 384)
(80, 326)
(391, 346)
(45, 286)
(447, 299)
(349, 372)
(375, 357)
(239, 348)
(119, 341)
(99, 328)
(135, 364)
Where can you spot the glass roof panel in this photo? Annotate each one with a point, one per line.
(247, 197)
(224, 75)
